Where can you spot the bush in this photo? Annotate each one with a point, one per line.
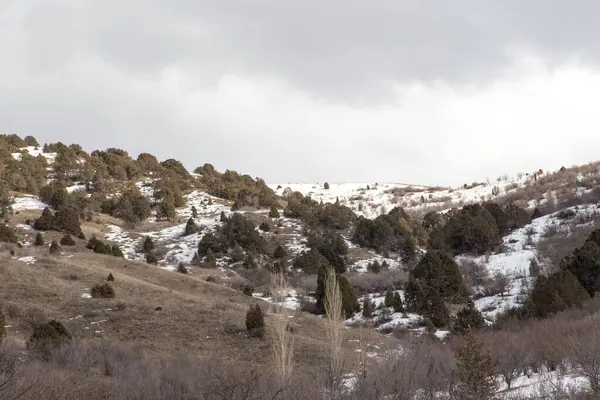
(469, 319)
(273, 212)
(67, 240)
(584, 264)
(148, 244)
(555, 293)
(103, 291)
(311, 262)
(67, 220)
(39, 239)
(182, 269)
(50, 334)
(110, 278)
(45, 221)
(255, 322)
(279, 252)
(151, 258)
(7, 234)
(264, 226)
(54, 248)
(438, 271)
(190, 227)
(388, 232)
(326, 186)
(248, 290)
(117, 252)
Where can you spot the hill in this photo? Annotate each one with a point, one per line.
(188, 253)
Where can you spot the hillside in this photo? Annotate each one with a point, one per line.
(189, 252)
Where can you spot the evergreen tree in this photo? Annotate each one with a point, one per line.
(151, 258)
(148, 244)
(190, 227)
(389, 298)
(398, 306)
(367, 308)
(194, 212)
(437, 311)
(54, 248)
(273, 213)
(67, 220)
(182, 269)
(255, 321)
(279, 252)
(211, 260)
(585, 265)
(223, 217)
(39, 239)
(67, 240)
(474, 373)
(44, 222)
(468, 319)
(237, 254)
(117, 252)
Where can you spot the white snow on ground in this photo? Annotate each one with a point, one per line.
(380, 198)
(291, 300)
(26, 202)
(205, 205)
(361, 266)
(34, 152)
(30, 260)
(74, 188)
(514, 262)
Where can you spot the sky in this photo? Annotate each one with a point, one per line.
(412, 91)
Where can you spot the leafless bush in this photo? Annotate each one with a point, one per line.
(283, 341)
(369, 282)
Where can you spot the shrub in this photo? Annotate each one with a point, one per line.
(67, 240)
(48, 335)
(555, 293)
(367, 307)
(182, 269)
(388, 232)
(110, 278)
(326, 186)
(7, 234)
(248, 290)
(475, 372)
(279, 252)
(237, 254)
(398, 305)
(148, 244)
(117, 252)
(273, 212)
(54, 248)
(264, 226)
(255, 322)
(45, 221)
(468, 319)
(151, 258)
(438, 271)
(39, 239)
(103, 291)
(67, 220)
(311, 262)
(190, 227)
(584, 263)
(389, 298)
(194, 212)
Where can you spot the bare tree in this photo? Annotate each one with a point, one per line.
(334, 326)
(583, 349)
(283, 340)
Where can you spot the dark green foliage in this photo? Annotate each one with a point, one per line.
(151, 258)
(326, 186)
(237, 254)
(211, 260)
(350, 303)
(166, 210)
(110, 278)
(438, 271)
(255, 321)
(182, 269)
(81, 236)
(389, 298)
(425, 300)
(367, 307)
(398, 305)
(117, 252)
(54, 248)
(311, 262)
(223, 217)
(131, 206)
(374, 267)
(388, 232)
(147, 244)
(194, 212)
(59, 199)
(433, 221)
(190, 227)
(103, 291)
(93, 243)
(470, 230)
(45, 221)
(67, 240)
(555, 293)
(67, 220)
(273, 212)
(39, 239)
(248, 290)
(437, 311)
(474, 374)
(7, 233)
(469, 319)
(108, 249)
(585, 264)
(48, 335)
(279, 252)
(312, 213)
(250, 261)
(5, 201)
(237, 229)
(264, 226)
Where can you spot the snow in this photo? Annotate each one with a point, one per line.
(32, 151)
(30, 260)
(23, 203)
(380, 197)
(291, 299)
(514, 261)
(361, 266)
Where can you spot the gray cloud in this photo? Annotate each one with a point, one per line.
(294, 91)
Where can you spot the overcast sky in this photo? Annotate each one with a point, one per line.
(425, 92)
